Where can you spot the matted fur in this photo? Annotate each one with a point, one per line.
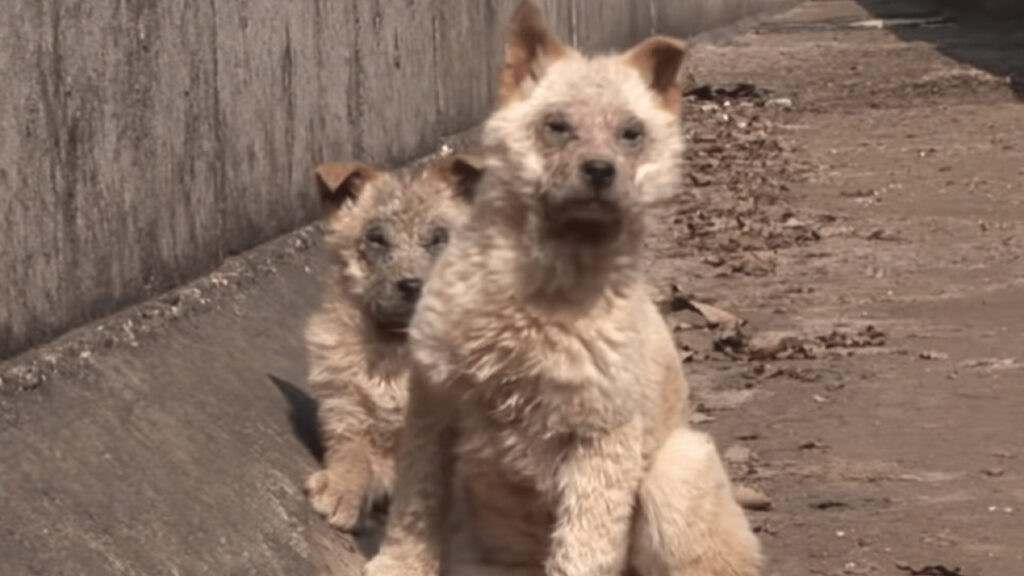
(358, 353)
(547, 430)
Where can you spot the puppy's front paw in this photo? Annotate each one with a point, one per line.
(388, 565)
(338, 501)
(383, 565)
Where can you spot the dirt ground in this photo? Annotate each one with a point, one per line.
(843, 275)
(865, 217)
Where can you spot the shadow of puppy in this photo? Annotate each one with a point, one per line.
(302, 416)
(333, 548)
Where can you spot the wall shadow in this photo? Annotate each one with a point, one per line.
(990, 40)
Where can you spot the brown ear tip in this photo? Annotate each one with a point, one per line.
(528, 16)
(323, 174)
(330, 176)
(680, 43)
(461, 166)
(473, 161)
(333, 177)
(666, 45)
(527, 8)
(462, 172)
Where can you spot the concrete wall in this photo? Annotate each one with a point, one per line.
(1013, 8)
(997, 8)
(142, 141)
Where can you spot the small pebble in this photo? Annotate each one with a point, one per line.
(737, 454)
(751, 498)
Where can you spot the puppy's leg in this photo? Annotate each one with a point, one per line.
(462, 555)
(479, 569)
(597, 484)
(687, 522)
(339, 491)
(414, 533)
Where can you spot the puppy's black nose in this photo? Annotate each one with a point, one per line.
(410, 288)
(598, 173)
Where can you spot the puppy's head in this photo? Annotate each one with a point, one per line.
(584, 144)
(385, 229)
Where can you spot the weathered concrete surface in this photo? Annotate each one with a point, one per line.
(175, 457)
(142, 142)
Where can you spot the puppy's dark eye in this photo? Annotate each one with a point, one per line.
(557, 126)
(375, 237)
(632, 133)
(437, 240)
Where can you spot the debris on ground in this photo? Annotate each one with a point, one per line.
(866, 337)
(772, 345)
(829, 504)
(697, 418)
(930, 570)
(704, 331)
(994, 472)
(727, 92)
(756, 263)
(738, 455)
(713, 316)
(751, 498)
(696, 325)
(991, 364)
(857, 569)
(716, 317)
(884, 235)
(794, 373)
(737, 213)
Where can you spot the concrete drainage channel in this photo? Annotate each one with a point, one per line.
(173, 436)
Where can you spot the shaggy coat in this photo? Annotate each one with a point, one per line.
(383, 232)
(547, 425)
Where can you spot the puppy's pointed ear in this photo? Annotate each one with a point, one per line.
(529, 49)
(462, 172)
(659, 60)
(341, 182)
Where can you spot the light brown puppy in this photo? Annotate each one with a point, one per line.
(547, 423)
(383, 232)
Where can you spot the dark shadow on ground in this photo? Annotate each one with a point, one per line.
(973, 36)
(303, 415)
(304, 425)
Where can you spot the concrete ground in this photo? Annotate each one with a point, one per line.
(855, 196)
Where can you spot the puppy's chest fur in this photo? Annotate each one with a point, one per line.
(526, 384)
(510, 433)
(362, 385)
(529, 382)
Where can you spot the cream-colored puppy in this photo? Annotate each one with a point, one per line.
(383, 232)
(547, 421)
